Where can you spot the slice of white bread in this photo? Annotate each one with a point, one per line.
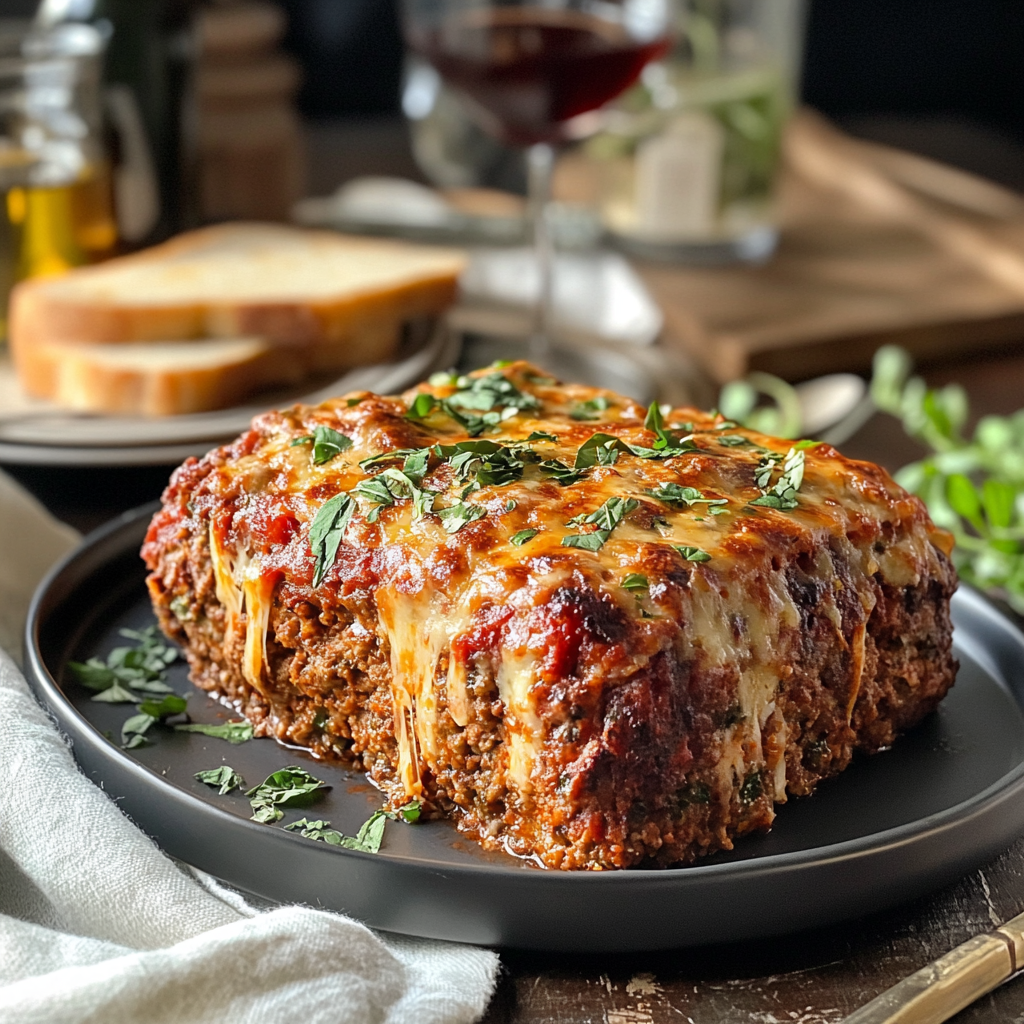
(331, 301)
(157, 378)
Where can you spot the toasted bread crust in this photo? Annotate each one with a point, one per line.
(49, 318)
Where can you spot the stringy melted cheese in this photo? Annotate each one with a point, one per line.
(730, 613)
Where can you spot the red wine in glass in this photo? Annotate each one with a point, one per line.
(530, 70)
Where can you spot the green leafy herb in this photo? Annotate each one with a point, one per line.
(741, 402)
(327, 444)
(370, 835)
(225, 778)
(635, 581)
(520, 538)
(692, 554)
(409, 812)
(606, 518)
(488, 463)
(973, 484)
(444, 379)
(325, 534)
(599, 450)
(392, 456)
(133, 732)
(319, 830)
(233, 732)
(117, 694)
(751, 788)
(560, 472)
(142, 668)
(492, 391)
(455, 517)
(541, 435)
(415, 465)
(390, 486)
(422, 406)
(734, 440)
(667, 446)
(288, 787)
(678, 496)
(782, 495)
(590, 410)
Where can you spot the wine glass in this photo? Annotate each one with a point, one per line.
(533, 72)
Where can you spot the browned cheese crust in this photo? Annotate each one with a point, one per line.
(643, 698)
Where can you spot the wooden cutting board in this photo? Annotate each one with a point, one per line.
(878, 246)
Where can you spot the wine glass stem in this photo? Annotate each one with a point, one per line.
(540, 159)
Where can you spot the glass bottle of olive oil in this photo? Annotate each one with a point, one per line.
(56, 203)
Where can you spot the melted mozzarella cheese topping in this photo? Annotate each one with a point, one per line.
(729, 614)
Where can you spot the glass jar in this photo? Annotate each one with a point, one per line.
(686, 161)
(56, 204)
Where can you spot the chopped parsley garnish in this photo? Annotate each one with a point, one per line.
(233, 732)
(782, 495)
(133, 732)
(541, 435)
(370, 834)
(327, 444)
(392, 456)
(325, 534)
(692, 554)
(734, 440)
(560, 472)
(655, 422)
(599, 450)
(493, 391)
(319, 830)
(415, 464)
(606, 518)
(390, 486)
(635, 581)
(444, 379)
(590, 409)
(489, 463)
(764, 469)
(288, 787)
(520, 538)
(666, 446)
(142, 668)
(455, 517)
(678, 496)
(225, 777)
(422, 406)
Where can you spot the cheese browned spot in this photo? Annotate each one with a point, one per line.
(522, 688)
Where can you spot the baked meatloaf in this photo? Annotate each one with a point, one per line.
(593, 634)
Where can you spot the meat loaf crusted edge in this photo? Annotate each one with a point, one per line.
(522, 690)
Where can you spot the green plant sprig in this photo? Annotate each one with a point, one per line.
(973, 485)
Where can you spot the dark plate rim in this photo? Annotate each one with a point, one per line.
(46, 687)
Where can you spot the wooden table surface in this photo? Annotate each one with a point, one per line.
(801, 979)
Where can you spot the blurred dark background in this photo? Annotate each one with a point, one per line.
(925, 74)
(942, 77)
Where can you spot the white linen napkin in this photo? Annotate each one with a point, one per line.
(97, 925)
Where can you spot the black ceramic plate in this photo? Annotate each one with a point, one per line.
(945, 799)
